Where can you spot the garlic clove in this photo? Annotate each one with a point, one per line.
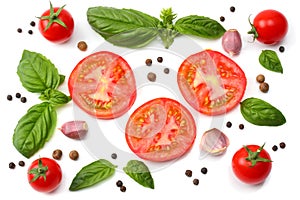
(232, 42)
(74, 129)
(214, 142)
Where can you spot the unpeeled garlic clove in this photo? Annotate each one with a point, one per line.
(74, 129)
(214, 142)
(232, 42)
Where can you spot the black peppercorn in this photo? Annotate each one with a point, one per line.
(19, 30)
(114, 156)
(119, 183)
(32, 23)
(232, 8)
(188, 173)
(23, 99)
(166, 70)
(274, 148)
(196, 181)
(241, 126)
(222, 18)
(281, 49)
(21, 163)
(30, 32)
(159, 59)
(228, 124)
(9, 97)
(282, 145)
(204, 170)
(18, 95)
(12, 165)
(148, 62)
(123, 188)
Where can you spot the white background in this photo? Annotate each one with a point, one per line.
(170, 182)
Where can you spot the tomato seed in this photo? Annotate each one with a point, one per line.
(9, 97)
(151, 76)
(74, 155)
(196, 181)
(123, 188)
(21, 163)
(119, 183)
(281, 49)
(148, 62)
(222, 18)
(275, 148)
(228, 124)
(12, 165)
(282, 145)
(188, 173)
(204, 170)
(159, 59)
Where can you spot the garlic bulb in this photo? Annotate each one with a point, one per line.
(214, 142)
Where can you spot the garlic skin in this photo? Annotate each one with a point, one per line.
(74, 129)
(214, 142)
(232, 42)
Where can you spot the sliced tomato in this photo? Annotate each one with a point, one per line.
(161, 129)
(103, 85)
(211, 82)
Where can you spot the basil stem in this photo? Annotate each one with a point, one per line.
(34, 129)
(92, 174)
(260, 112)
(139, 172)
(269, 60)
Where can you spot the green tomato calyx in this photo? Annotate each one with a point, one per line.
(253, 156)
(39, 171)
(253, 30)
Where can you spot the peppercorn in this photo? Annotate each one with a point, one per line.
(148, 62)
(30, 32)
(222, 18)
(281, 49)
(274, 148)
(19, 30)
(74, 155)
(119, 183)
(241, 126)
(23, 99)
(166, 70)
(151, 76)
(114, 156)
(260, 78)
(196, 181)
(82, 46)
(123, 188)
(159, 59)
(21, 163)
(188, 173)
(18, 95)
(264, 87)
(282, 145)
(32, 23)
(12, 165)
(204, 170)
(57, 154)
(232, 8)
(9, 97)
(228, 124)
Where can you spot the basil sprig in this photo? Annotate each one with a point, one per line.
(262, 113)
(92, 174)
(139, 172)
(134, 29)
(38, 75)
(270, 60)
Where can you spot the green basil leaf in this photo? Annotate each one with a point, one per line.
(61, 79)
(260, 112)
(34, 129)
(55, 97)
(269, 60)
(122, 26)
(37, 73)
(139, 172)
(199, 26)
(92, 174)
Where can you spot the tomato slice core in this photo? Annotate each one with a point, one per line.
(211, 83)
(103, 85)
(160, 130)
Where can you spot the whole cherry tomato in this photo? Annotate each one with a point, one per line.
(252, 164)
(56, 24)
(44, 174)
(269, 27)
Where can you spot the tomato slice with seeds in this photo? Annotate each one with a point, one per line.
(160, 130)
(211, 83)
(103, 85)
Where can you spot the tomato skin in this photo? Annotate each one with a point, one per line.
(211, 82)
(103, 85)
(57, 33)
(153, 137)
(271, 26)
(53, 175)
(251, 174)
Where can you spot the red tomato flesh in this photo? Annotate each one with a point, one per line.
(160, 130)
(103, 85)
(211, 82)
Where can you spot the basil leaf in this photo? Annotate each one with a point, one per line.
(61, 79)
(269, 60)
(37, 73)
(199, 26)
(92, 174)
(34, 129)
(55, 97)
(119, 25)
(260, 112)
(139, 172)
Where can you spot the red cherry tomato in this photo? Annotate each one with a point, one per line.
(56, 24)
(251, 164)
(160, 130)
(44, 174)
(269, 27)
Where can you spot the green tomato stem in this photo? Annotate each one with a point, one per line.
(254, 157)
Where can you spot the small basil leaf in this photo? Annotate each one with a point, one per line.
(139, 172)
(34, 129)
(55, 97)
(37, 73)
(61, 79)
(199, 26)
(260, 112)
(269, 60)
(92, 174)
